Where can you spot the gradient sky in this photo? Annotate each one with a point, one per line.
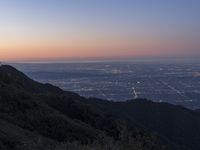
(46, 29)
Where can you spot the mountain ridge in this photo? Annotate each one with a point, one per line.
(62, 116)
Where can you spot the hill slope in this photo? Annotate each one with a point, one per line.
(30, 119)
(179, 125)
(33, 115)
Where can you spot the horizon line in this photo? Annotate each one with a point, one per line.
(103, 59)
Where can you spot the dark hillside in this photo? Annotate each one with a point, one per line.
(33, 115)
(176, 123)
(12, 77)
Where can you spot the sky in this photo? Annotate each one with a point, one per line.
(59, 29)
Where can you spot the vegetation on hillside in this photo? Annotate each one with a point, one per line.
(41, 116)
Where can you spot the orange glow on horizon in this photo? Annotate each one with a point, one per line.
(96, 47)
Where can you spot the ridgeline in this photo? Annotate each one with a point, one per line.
(35, 116)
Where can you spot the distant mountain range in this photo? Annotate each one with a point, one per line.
(35, 116)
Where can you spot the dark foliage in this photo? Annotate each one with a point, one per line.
(41, 116)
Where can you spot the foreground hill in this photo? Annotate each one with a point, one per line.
(42, 116)
(177, 124)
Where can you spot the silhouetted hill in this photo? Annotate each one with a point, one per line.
(42, 116)
(176, 123)
(10, 76)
